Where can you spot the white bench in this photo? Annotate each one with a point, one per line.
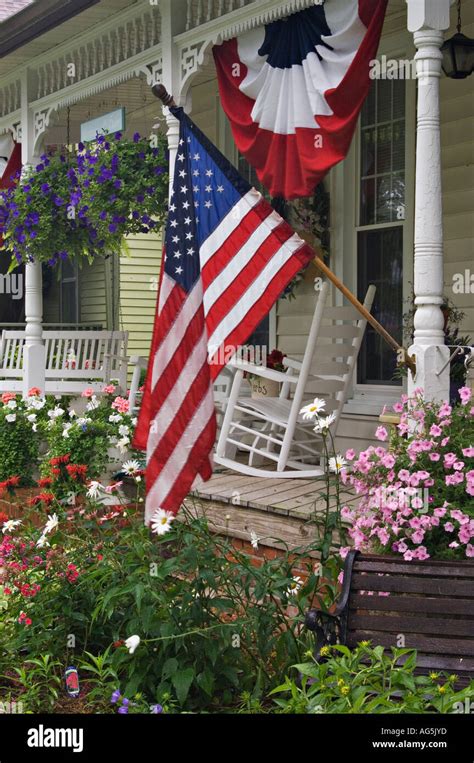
(74, 360)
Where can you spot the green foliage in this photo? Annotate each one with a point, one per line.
(19, 447)
(211, 624)
(368, 680)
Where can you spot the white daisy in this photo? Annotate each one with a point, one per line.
(313, 409)
(336, 464)
(10, 525)
(254, 539)
(131, 467)
(42, 541)
(51, 524)
(294, 586)
(132, 642)
(95, 489)
(323, 424)
(161, 521)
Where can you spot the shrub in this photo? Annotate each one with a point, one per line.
(368, 680)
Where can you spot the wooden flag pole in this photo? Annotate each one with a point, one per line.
(404, 359)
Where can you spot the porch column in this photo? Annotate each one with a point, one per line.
(34, 360)
(427, 19)
(173, 18)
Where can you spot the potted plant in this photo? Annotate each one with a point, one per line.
(80, 205)
(267, 387)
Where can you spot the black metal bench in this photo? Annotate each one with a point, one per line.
(429, 607)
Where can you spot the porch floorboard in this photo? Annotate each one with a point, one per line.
(280, 511)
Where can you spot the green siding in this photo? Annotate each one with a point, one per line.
(139, 274)
(94, 293)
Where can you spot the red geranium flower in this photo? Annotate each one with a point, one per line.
(45, 482)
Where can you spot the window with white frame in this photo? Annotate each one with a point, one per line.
(380, 223)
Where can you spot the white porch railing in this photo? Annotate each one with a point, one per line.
(201, 11)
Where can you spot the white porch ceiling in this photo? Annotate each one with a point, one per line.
(88, 19)
(9, 8)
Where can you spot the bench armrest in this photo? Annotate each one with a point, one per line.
(330, 627)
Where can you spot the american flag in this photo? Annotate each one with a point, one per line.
(228, 257)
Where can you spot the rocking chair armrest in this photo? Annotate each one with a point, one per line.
(138, 360)
(292, 363)
(263, 371)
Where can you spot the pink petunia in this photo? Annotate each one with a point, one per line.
(469, 550)
(421, 553)
(436, 431)
(434, 456)
(381, 433)
(465, 394)
(418, 536)
(445, 410)
(350, 454)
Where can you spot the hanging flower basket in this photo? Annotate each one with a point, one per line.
(81, 205)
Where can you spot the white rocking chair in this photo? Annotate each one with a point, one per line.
(284, 438)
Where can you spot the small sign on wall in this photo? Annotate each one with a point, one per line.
(114, 121)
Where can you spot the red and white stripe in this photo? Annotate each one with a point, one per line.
(182, 428)
(245, 265)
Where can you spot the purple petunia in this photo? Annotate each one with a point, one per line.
(115, 696)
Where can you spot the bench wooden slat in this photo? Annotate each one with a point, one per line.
(430, 604)
(451, 587)
(443, 662)
(415, 624)
(412, 603)
(413, 569)
(423, 643)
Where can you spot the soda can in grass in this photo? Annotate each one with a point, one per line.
(72, 682)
